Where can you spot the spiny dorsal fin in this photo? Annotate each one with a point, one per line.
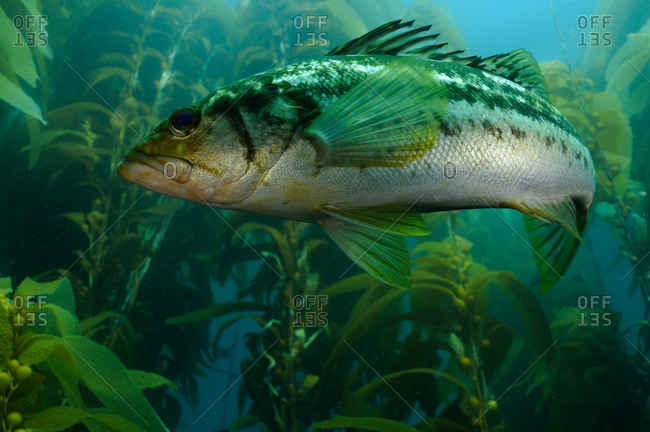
(392, 38)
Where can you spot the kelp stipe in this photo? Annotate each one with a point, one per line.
(278, 384)
(448, 304)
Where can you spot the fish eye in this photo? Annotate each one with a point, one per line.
(183, 121)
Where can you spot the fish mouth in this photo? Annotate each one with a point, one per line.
(167, 175)
(137, 164)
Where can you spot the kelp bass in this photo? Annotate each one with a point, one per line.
(363, 140)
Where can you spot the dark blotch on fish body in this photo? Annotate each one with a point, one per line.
(517, 133)
(548, 141)
(450, 129)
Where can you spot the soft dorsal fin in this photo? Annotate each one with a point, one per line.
(398, 39)
(518, 66)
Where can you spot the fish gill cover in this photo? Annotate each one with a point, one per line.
(124, 284)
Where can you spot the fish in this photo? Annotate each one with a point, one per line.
(364, 140)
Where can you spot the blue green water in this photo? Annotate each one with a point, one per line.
(264, 324)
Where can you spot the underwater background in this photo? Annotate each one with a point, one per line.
(124, 310)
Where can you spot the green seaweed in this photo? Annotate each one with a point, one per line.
(626, 69)
(18, 66)
(42, 349)
(294, 384)
(591, 379)
(449, 347)
(599, 117)
(364, 423)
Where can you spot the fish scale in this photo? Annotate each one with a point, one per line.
(474, 148)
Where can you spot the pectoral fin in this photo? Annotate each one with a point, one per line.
(387, 120)
(557, 243)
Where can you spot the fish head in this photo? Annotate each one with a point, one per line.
(217, 151)
(190, 156)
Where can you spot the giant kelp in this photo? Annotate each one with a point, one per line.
(44, 359)
(449, 347)
(451, 355)
(22, 68)
(439, 356)
(611, 106)
(624, 18)
(146, 58)
(593, 384)
(600, 118)
(626, 76)
(102, 102)
(626, 70)
(287, 31)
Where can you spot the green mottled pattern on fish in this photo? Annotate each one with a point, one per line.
(493, 133)
(361, 142)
